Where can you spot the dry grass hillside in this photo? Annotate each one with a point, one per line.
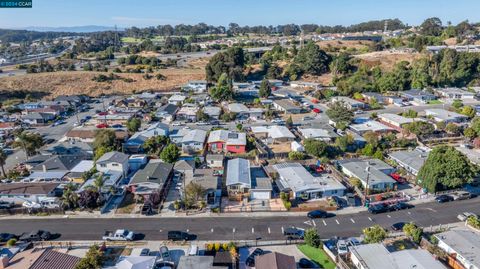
(80, 82)
(330, 45)
(387, 59)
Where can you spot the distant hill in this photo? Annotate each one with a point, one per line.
(72, 29)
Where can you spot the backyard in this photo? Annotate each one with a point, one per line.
(317, 255)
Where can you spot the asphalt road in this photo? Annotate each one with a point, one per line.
(241, 228)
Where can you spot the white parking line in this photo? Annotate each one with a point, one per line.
(211, 230)
(253, 230)
(389, 216)
(188, 230)
(352, 220)
(409, 213)
(268, 229)
(233, 231)
(324, 223)
(337, 221)
(370, 219)
(282, 230)
(314, 224)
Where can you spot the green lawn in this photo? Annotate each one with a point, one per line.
(435, 102)
(317, 255)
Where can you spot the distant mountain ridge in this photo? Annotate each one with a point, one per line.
(72, 29)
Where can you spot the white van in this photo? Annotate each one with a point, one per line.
(49, 203)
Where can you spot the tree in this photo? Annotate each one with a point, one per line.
(265, 89)
(432, 27)
(312, 238)
(371, 138)
(154, 144)
(468, 111)
(445, 168)
(457, 104)
(223, 91)
(316, 148)
(452, 128)
(296, 155)
(201, 115)
(230, 62)
(312, 60)
(133, 124)
(411, 230)
(194, 193)
(30, 142)
(469, 133)
(3, 159)
(289, 122)
(69, 197)
(419, 128)
(104, 138)
(93, 259)
(410, 114)
(170, 153)
(345, 143)
(374, 234)
(339, 112)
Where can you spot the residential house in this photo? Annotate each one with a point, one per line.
(455, 94)
(295, 179)
(176, 135)
(227, 141)
(287, 106)
(370, 126)
(111, 182)
(273, 133)
(187, 113)
(395, 121)
(185, 167)
(40, 258)
(240, 109)
(19, 193)
(87, 135)
(275, 260)
(214, 160)
(196, 86)
(377, 256)
(198, 262)
(166, 113)
(76, 173)
(73, 99)
(135, 142)
(58, 163)
(134, 262)
(38, 118)
(193, 141)
(410, 160)
(382, 99)
(462, 246)
(114, 161)
(349, 102)
(442, 115)
(210, 182)
(373, 172)
(261, 184)
(176, 99)
(318, 134)
(238, 180)
(305, 85)
(287, 93)
(213, 112)
(137, 161)
(418, 96)
(69, 148)
(154, 178)
(246, 90)
(113, 119)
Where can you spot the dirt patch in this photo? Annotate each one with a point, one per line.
(387, 59)
(79, 82)
(344, 44)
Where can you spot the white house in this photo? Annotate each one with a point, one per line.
(194, 141)
(464, 245)
(22, 192)
(176, 99)
(114, 161)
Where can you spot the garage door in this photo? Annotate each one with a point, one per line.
(262, 195)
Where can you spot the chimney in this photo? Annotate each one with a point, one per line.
(4, 261)
(44, 167)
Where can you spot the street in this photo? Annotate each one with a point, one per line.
(241, 228)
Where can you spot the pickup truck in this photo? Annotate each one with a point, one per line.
(119, 235)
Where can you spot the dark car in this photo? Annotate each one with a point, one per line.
(315, 214)
(178, 236)
(49, 141)
(376, 209)
(294, 233)
(444, 198)
(400, 206)
(251, 258)
(398, 226)
(4, 237)
(39, 235)
(306, 263)
(5, 205)
(147, 210)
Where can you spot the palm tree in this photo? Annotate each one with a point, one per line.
(30, 142)
(3, 159)
(98, 182)
(70, 197)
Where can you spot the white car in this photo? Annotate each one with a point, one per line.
(342, 247)
(465, 215)
(31, 205)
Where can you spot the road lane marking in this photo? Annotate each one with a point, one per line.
(370, 219)
(188, 230)
(324, 223)
(409, 213)
(268, 229)
(352, 220)
(314, 224)
(211, 230)
(160, 230)
(282, 230)
(253, 230)
(337, 221)
(308, 222)
(389, 216)
(233, 231)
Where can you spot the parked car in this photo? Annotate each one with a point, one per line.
(462, 195)
(293, 233)
(398, 226)
(315, 214)
(4, 237)
(376, 209)
(178, 236)
(39, 235)
(6, 205)
(400, 206)
(145, 252)
(342, 247)
(444, 198)
(398, 178)
(119, 235)
(465, 215)
(306, 263)
(352, 241)
(165, 254)
(147, 210)
(250, 261)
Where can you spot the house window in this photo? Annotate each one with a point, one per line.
(103, 165)
(115, 164)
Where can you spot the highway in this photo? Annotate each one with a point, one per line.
(240, 227)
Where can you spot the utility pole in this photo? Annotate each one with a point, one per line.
(385, 28)
(368, 179)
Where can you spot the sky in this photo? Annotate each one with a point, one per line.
(126, 13)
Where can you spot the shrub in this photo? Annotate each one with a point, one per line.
(474, 222)
(217, 246)
(374, 234)
(411, 230)
(312, 238)
(225, 246)
(11, 242)
(295, 155)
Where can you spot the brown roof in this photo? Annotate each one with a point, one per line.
(27, 188)
(275, 260)
(52, 259)
(90, 133)
(42, 259)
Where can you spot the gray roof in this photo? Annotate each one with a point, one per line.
(184, 165)
(168, 108)
(413, 159)
(157, 172)
(59, 163)
(359, 170)
(376, 256)
(70, 148)
(197, 262)
(215, 157)
(286, 104)
(196, 135)
(465, 243)
(113, 156)
(238, 172)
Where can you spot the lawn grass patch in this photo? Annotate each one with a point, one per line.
(317, 255)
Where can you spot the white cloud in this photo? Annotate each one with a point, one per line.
(135, 20)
